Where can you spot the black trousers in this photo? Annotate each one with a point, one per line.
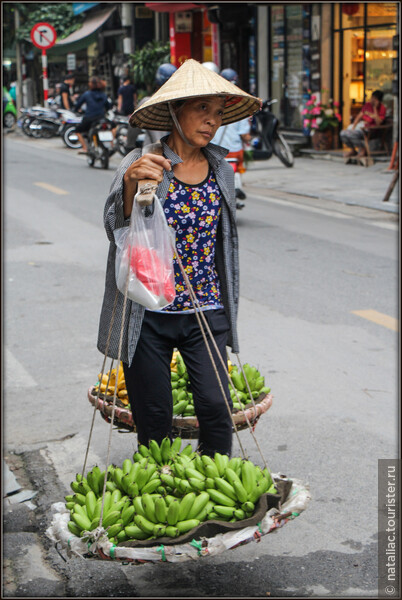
(148, 379)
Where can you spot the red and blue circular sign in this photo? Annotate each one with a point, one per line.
(43, 35)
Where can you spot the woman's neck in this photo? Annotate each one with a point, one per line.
(187, 153)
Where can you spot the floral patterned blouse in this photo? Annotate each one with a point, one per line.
(194, 211)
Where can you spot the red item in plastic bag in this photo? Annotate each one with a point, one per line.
(152, 273)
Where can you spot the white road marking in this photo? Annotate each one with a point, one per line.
(15, 374)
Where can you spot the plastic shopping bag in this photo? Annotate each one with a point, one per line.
(144, 258)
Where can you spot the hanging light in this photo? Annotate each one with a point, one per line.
(350, 9)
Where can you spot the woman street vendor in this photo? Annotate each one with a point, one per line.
(196, 189)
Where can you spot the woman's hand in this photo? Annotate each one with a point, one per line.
(148, 166)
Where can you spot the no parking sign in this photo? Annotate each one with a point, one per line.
(43, 36)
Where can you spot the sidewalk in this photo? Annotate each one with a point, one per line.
(326, 179)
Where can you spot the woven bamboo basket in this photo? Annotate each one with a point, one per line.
(185, 427)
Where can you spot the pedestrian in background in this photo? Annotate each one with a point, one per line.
(66, 91)
(126, 97)
(371, 115)
(96, 103)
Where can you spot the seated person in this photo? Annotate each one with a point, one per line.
(372, 114)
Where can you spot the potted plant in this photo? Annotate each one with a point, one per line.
(322, 120)
(144, 64)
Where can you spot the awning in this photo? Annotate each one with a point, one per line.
(172, 6)
(90, 25)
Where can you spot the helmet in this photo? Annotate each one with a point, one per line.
(230, 75)
(211, 66)
(163, 73)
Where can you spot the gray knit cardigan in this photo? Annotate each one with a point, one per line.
(226, 254)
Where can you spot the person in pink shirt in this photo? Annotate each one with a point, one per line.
(372, 114)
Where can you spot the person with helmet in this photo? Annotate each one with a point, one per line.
(163, 73)
(235, 135)
(211, 66)
(195, 186)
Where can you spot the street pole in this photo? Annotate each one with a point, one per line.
(45, 80)
(18, 59)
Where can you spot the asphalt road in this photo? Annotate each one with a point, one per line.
(318, 317)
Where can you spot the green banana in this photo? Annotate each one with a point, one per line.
(237, 380)
(79, 498)
(221, 498)
(189, 472)
(197, 484)
(165, 450)
(187, 525)
(176, 446)
(144, 451)
(173, 512)
(248, 507)
(187, 450)
(210, 483)
(184, 486)
(211, 471)
(155, 451)
(220, 463)
(240, 490)
(144, 524)
(149, 508)
(74, 528)
(139, 509)
(172, 531)
(167, 479)
(248, 476)
(110, 486)
(151, 486)
(142, 478)
(224, 511)
(122, 536)
(90, 503)
(110, 518)
(199, 505)
(114, 530)
(179, 470)
(133, 531)
(225, 487)
(180, 407)
(272, 489)
(70, 505)
(82, 522)
(199, 464)
(232, 476)
(69, 498)
(80, 510)
(133, 490)
(159, 530)
(127, 464)
(116, 496)
(127, 514)
(160, 509)
(239, 514)
(185, 505)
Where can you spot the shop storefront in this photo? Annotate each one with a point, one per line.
(295, 53)
(364, 54)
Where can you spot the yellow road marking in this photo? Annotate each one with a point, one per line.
(379, 318)
(51, 188)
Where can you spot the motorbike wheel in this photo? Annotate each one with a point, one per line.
(104, 160)
(47, 133)
(25, 126)
(9, 120)
(121, 139)
(282, 150)
(35, 128)
(91, 160)
(70, 138)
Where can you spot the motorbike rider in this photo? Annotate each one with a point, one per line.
(96, 103)
(163, 73)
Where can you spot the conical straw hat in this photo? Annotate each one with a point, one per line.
(192, 80)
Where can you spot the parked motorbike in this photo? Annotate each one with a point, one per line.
(267, 138)
(100, 142)
(38, 121)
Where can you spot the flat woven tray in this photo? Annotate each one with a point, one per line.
(185, 427)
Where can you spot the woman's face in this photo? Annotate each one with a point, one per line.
(200, 118)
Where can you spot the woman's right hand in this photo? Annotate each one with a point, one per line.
(148, 166)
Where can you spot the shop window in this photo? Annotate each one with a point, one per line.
(379, 55)
(379, 13)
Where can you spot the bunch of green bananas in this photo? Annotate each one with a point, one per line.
(256, 383)
(183, 403)
(165, 491)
